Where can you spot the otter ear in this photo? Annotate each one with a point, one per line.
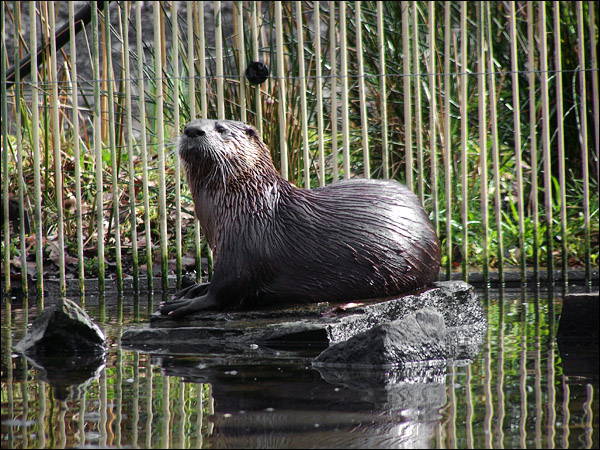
(251, 132)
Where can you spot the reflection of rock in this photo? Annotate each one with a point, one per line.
(420, 336)
(579, 317)
(68, 374)
(65, 346)
(577, 337)
(278, 401)
(62, 329)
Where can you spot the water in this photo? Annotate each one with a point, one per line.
(514, 394)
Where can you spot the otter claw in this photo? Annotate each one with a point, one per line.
(180, 308)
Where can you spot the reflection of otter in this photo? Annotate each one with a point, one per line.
(274, 242)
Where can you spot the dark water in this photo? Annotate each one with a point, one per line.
(521, 391)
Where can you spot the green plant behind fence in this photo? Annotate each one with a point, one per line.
(494, 126)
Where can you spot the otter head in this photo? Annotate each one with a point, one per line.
(223, 151)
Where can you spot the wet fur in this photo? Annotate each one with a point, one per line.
(274, 242)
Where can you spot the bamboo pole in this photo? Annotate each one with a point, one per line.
(483, 135)
(129, 143)
(191, 8)
(202, 61)
(256, 56)
(345, 102)
(160, 144)
(433, 124)
(76, 151)
(97, 121)
(407, 96)
(517, 127)
(560, 137)
(219, 61)
(447, 142)
(241, 58)
(418, 118)
(361, 91)
(495, 149)
(319, 92)
(334, 120)
(37, 177)
(464, 124)
(546, 139)
(303, 106)
(533, 136)
(113, 150)
(144, 149)
(282, 93)
(176, 129)
(383, 87)
(584, 138)
(5, 180)
(19, 136)
(56, 133)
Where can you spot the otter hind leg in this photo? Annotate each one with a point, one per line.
(180, 308)
(193, 291)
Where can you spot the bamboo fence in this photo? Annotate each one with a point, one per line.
(487, 110)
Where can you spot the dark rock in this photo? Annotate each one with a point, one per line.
(419, 336)
(62, 329)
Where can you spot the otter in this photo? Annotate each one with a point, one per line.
(274, 242)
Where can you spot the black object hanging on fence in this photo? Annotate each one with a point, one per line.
(257, 72)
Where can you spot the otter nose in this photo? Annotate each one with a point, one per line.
(193, 130)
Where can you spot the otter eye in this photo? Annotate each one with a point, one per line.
(250, 132)
(220, 129)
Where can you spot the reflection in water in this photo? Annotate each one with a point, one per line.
(513, 394)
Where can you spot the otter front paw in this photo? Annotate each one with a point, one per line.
(181, 308)
(193, 291)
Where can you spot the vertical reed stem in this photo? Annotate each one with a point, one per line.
(144, 148)
(464, 124)
(483, 136)
(408, 153)
(76, 151)
(19, 135)
(345, 102)
(176, 82)
(546, 139)
(282, 93)
(361, 91)
(584, 138)
(319, 92)
(37, 177)
(113, 150)
(98, 151)
(333, 91)
(160, 144)
(383, 87)
(303, 106)
(517, 127)
(56, 133)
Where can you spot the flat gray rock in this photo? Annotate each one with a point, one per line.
(418, 337)
(315, 326)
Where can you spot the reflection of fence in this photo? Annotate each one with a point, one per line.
(516, 393)
(437, 95)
